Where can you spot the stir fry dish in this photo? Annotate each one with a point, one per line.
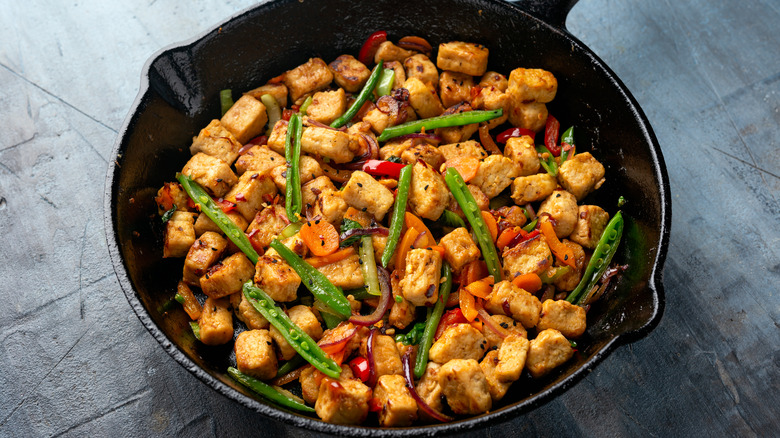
(399, 236)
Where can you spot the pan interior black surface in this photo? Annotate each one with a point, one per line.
(179, 95)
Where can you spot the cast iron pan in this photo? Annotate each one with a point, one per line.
(179, 95)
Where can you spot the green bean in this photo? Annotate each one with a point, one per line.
(212, 210)
(292, 153)
(267, 391)
(305, 106)
(368, 265)
(315, 281)
(386, 81)
(225, 100)
(433, 321)
(195, 329)
(273, 110)
(364, 94)
(294, 335)
(445, 121)
(568, 138)
(599, 261)
(531, 225)
(397, 219)
(559, 272)
(293, 364)
(451, 219)
(471, 210)
(547, 162)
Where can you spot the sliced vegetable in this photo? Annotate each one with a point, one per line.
(561, 251)
(530, 282)
(290, 230)
(195, 329)
(385, 300)
(314, 280)
(268, 391)
(480, 288)
(507, 236)
(432, 322)
(397, 219)
(452, 317)
(294, 335)
(372, 374)
(491, 223)
(347, 225)
(332, 320)
(491, 323)
(414, 335)
(383, 168)
(213, 212)
(467, 304)
(407, 243)
(530, 226)
(320, 237)
(451, 219)
(292, 153)
(225, 100)
(487, 140)
(567, 138)
(446, 121)
(471, 210)
(364, 94)
(415, 222)
(291, 365)
(273, 110)
(504, 136)
(416, 43)
(467, 166)
(318, 262)
(359, 367)
(368, 265)
(367, 52)
(188, 301)
(407, 366)
(386, 81)
(168, 214)
(547, 160)
(305, 106)
(548, 277)
(599, 261)
(551, 129)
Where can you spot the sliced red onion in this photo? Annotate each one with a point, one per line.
(530, 209)
(384, 301)
(433, 413)
(419, 239)
(335, 346)
(491, 324)
(364, 232)
(372, 377)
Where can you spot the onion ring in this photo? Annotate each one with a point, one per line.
(425, 407)
(384, 301)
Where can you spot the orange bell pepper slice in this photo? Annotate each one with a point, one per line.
(403, 248)
(412, 221)
(491, 223)
(530, 282)
(191, 304)
(467, 305)
(559, 250)
(481, 288)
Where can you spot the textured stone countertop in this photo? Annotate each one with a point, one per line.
(75, 360)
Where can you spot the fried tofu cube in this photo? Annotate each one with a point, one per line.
(461, 57)
(494, 79)
(211, 173)
(217, 141)
(533, 188)
(378, 120)
(171, 194)
(561, 315)
(428, 194)
(245, 119)
(531, 116)
(508, 299)
(328, 143)
(277, 91)
(304, 318)
(455, 134)
(216, 322)
(548, 350)
(459, 248)
(570, 280)
(507, 323)
(255, 354)
(387, 358)
(342, 401)
(179, 234)
(227, 277)
(511, 358)
(403, 312)
(459, 341)
(388, 51)
(532, 255)
(464, 386)
(363, 192)
(469, 148)
(349, 73)
(311, 190)
(425, 152)
(312, 76)
(591, 222)
(521, 150)
(277, 137)
(454, 88)
(491, 98)
(532, 85)
(251, 191)
(274, 276)
(344, 273)
(398, 406)
(309, 169)
(327, 106)
(294, 243)
(420, 67)
(206, 250)
(259, 159)
(496, 387)
(429, 389)
(423, 98)
(420, 284)
(562, 208)
(581, 174)
(331, 206)
(247, 313)
(495, 173)
(310, 380)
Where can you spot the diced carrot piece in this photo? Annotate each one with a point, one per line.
(321, 237)
(530, 282)
(341, 254)
(467, 167)
(491, 223)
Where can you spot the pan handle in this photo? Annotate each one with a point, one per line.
(552, 12)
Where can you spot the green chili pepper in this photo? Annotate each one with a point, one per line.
(179, 298)
(267, 391)
(212, 210)
(290, 230)
(365, 93)
(368, 266)
(568, 138)
(548, 163)
(445, 121)
(386, 81)
(305, 106)
(293, 364)
(530, 226)
(471, 210)
(225, 100)
(273, 110)
(397, 219)
(394, 159)
(314, 280)
(413, 336)
(451, 219)
(292, 153)
(195, 329)
(294, 335)
(168, 214)
(559, 272)
(599, 261)
(433, 321)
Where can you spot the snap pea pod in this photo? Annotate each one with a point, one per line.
(225, 100)
(386, 80)
(292, 153)
(471, 210)
(397, 220)
(445, 121)
(294, 335)
(433, 321)
(599, 261)
(451, 219)
(273, 110)
(293, 364)
(267, 391)
(568, 138)
(368, 266)
(314, 280)
(364, 94)
(212, 210)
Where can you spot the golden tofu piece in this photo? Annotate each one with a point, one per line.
(327, 106)
(469, 148)
(423, 98)
(521, 150)
(252, 190)
(398, 406)
(388, 51)
(255, 354)
(531, 116)
(533, 188)
(428, 194)
(465, 387)
(211, 173)
(459, 248)
(581, 174)
(216, 322)
(420, 284)
(217, 141)
(335, 145)
(420, 67)
(532, 255)
(561, 206)
(342, 401)
(547, 351)
(459, 341)
(259, 159)
(455, 88)
(364, 193)
(462, 57)
(312, 76)
(591, 222)
(561, 315)
(349, 73)
(494, 79)
(274, 276)
(179, 234)
(508, 299)
(245, 119)
(227, 277)
(532, 85)
(495, 174)
(206, 250)
(277, 91)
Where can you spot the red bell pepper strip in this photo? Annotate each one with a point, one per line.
(359, 366)
(367, 52)
(454, 316)
(514, 132)
(383, 168)
(225, 205)
(551, 129)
